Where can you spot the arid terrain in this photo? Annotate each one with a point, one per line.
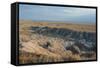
(42, 42)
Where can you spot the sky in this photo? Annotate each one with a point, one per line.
(57, 14)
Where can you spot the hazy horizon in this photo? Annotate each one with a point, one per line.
(60, 22)
(57, 14)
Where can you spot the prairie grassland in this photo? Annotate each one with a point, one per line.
(37, 48)
(76, 27)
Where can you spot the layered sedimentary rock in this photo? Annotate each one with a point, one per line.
(85, 41)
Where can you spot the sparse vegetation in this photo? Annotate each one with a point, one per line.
(41, 48)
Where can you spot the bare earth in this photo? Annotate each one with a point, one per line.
(38, 48)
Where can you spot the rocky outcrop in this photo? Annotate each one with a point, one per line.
(45, 44)
(61, 32)
(84, 41)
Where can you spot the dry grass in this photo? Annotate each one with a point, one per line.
(33, 51)
(26, 57)
(76, 27)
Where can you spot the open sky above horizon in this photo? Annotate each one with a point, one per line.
(57, 14)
